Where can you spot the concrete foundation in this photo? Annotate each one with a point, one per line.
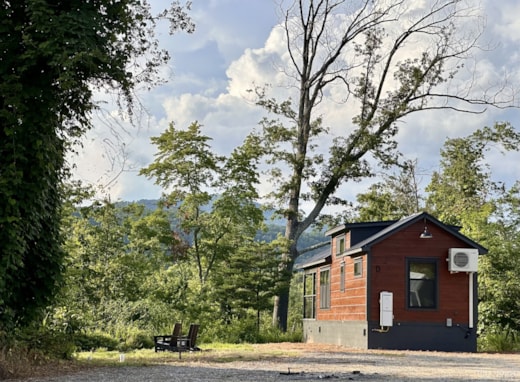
(344, 333)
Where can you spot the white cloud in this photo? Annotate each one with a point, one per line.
(233, 49)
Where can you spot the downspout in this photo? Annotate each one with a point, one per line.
(471, 300)
(368, 296)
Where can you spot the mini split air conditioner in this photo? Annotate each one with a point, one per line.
(463, 260)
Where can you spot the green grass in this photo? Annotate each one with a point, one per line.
(216, 352)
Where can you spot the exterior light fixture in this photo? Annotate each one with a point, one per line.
(426, 234)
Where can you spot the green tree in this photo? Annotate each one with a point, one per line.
(249, 280)
(499, 284)
(360, 51)
(54, 54)
(214, 196)
(187, 169)
(462, 192)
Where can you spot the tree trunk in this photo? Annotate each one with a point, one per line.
(281, 302)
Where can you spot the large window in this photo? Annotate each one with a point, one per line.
(325, 289)
(309, 295)
(422, 283)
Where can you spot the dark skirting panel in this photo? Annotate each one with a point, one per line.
(423, 336)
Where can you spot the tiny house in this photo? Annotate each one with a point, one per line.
(406, 284)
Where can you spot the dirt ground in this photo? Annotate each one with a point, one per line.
(306, 362)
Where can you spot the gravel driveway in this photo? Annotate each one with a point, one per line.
(312, 363)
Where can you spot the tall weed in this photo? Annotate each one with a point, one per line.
(501, 341)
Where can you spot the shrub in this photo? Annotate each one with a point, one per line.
(95, 340)
(137, 339)
(500, 340)
(276, 335)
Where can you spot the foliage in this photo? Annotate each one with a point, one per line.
(504, 340)
(217, 215)
(95, 340)
(54, 54)
(499, 286)
(464, 188)
(249, 279)
(131, 272)
(119, 276)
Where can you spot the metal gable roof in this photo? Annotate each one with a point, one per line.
(320, 258)
(364, 246)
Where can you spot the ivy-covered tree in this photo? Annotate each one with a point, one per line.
(358, 53)
(55, 53)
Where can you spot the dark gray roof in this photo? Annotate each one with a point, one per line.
(319, 258)
(349, 226)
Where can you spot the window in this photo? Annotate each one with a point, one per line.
(358, 267)
(340, 245)
(309, 295)
(325, 289)
(342, 277)
(422, 283)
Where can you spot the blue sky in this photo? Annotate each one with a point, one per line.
(235, 45)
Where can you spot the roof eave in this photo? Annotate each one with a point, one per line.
(335, 230)
(354, 251)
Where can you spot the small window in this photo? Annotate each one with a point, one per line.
(358, 267)
(340, 245)
(325, 289)
(342, 277)
(422, 283)
(309, 295)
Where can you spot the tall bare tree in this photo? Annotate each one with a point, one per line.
(388, 59)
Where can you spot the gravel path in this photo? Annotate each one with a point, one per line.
(308, 364)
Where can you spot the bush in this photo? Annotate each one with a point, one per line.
(95, 340)
(276, 335)
(500, 340)
(137, 339)
(55, 345)
(238, 331)
(46, 343)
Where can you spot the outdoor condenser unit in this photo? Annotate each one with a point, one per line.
(463, 260)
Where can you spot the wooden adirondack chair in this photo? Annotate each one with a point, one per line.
(169, 342)
(176, 342)
(191, 338)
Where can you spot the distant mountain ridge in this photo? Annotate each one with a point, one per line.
(274, 227)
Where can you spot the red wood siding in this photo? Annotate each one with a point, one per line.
(349, 304)
(388, 273)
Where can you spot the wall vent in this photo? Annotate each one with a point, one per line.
(463, 260)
